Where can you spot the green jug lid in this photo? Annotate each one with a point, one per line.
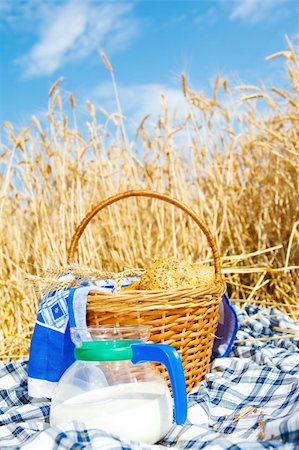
(118, 350)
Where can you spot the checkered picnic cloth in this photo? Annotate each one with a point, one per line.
(249, 400)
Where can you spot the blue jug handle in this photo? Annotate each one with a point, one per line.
(170, 358)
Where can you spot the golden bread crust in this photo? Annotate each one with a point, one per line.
(168, 273)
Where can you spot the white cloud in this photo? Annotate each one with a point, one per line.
(12, 11)
(137, 101)
(209, 17)
(56, 40)
(73, 30)
(255, 11)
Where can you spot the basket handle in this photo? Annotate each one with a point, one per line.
(140, 193)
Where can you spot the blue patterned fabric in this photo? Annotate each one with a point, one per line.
(248, 401)
(51, 348)
(53, 311)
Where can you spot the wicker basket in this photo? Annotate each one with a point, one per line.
(186, 318)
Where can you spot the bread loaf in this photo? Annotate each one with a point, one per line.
(168, 273)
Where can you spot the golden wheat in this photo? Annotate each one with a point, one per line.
(237, 166)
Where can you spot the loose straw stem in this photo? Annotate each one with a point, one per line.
(284, 330)
(243, 413)
(270, 338)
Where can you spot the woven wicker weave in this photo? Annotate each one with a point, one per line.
(186, 318)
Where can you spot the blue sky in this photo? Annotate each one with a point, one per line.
(149, 43)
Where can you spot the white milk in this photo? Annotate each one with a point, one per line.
(136, 411)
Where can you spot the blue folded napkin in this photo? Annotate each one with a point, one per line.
(227, 329)
(51, 348)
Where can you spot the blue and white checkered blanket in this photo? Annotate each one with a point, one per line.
(249, 400)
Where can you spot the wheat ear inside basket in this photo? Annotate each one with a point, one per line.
(185, 318)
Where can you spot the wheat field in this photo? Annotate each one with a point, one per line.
(234, 159)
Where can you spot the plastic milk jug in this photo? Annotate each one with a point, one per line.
(113, 387)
